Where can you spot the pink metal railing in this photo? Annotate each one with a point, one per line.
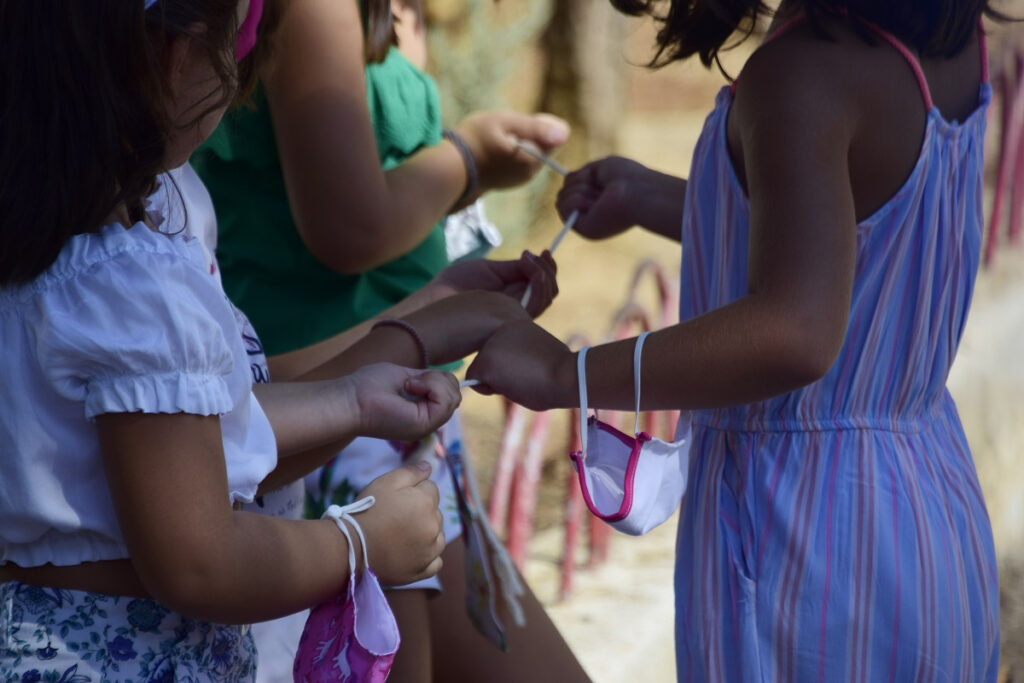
(1008, 84)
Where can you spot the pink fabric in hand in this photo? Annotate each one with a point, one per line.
(354, 637)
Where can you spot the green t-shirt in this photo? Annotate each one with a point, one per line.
(291, 298)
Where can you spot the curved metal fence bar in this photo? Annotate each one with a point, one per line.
(524, 490)
(1008, 87)
(516, 417)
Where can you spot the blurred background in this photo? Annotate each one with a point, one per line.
(582, 61)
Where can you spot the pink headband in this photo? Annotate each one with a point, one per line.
(247, 32)
(246, 40)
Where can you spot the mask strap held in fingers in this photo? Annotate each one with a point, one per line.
(637, 352)
(535, 152)
(581, 373)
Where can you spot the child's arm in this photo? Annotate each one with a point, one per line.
(312, 421)
(614, 194)
(510, 278)
(193, 554)
(382, 400)
(352, 215)
(451, 329)
(796, 124)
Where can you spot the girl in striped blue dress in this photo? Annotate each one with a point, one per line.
(833, 527)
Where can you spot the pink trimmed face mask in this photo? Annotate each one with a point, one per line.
(354, 637)
(634, 483)
(246, 39)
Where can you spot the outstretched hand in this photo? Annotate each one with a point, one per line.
(507, 277)
(527, 365)
(610, 195)
(401, 403)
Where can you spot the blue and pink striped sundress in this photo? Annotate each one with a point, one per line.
(838, 532)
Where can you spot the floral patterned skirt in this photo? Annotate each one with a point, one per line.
(51, 635)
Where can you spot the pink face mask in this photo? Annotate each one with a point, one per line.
(354, 637)
(246, 39)
(633, 483)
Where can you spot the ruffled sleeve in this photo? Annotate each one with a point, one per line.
(140, 330)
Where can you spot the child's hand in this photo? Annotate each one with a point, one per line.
(609, 194)
(404, 532)
(492, 135)
(529, 366)
(401, 403)
(510, 278)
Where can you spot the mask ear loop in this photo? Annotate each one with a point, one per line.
(581, 374)
(342, 514)
(637, 352)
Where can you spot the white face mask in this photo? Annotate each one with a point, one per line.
(354, 637)
(632, 483)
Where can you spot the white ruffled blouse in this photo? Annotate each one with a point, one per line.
(126, 320)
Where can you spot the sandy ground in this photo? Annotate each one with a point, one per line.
(632, 593)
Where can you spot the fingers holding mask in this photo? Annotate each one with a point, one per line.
(402, 403)
(437, 387)
(403, 529)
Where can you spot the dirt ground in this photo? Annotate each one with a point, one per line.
(666, 113)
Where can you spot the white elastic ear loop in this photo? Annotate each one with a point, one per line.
(637, 352)
(581, 374)
(339, 513)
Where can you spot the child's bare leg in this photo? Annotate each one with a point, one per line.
(537, 653)
(412, 663)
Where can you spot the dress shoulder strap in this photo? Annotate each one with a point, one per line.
(912, 60)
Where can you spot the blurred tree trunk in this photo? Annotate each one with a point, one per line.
(585, 81)
(559, 56)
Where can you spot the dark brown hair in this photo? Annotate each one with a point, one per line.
(379, 22)
(935, 28)
(82, 105)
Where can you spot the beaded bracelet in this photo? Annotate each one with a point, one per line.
(472, 172)
(401, 324)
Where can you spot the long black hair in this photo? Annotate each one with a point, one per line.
(83, 113)
(935, 28)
